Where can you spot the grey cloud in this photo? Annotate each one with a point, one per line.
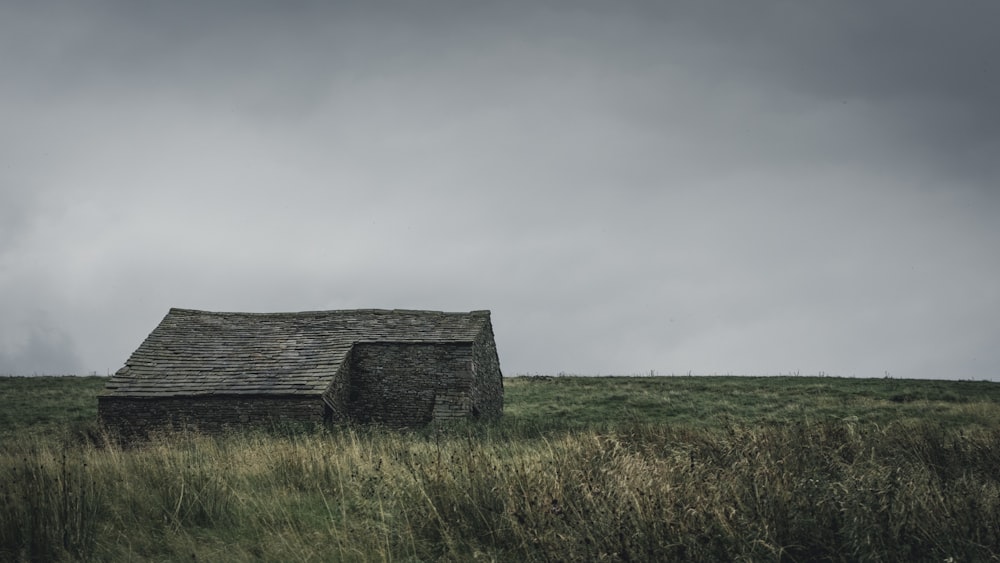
(896, 48)
(37, 346)
(629, 186)
(14, 215)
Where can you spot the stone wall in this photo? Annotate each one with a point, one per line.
(407, 384)
(487, 390)
(337, 394)
(138, 416)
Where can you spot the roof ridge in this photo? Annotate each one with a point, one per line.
(327, 311)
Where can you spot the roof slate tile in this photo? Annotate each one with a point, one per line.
(201, 352)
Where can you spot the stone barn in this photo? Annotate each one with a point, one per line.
(210, 370)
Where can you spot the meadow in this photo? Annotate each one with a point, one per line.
(579, 469)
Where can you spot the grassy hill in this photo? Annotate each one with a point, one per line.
(620, 469)
(706, 402)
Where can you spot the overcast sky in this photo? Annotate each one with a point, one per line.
(756, 187)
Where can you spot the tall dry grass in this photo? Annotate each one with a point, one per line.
(836, 491)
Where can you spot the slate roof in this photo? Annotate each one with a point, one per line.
(206, 353)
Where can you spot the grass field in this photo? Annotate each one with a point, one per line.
(579, 469)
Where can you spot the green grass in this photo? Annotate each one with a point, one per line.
(47, 406)
(579, 469)
(707, 402)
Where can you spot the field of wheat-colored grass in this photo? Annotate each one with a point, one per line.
(579, 469)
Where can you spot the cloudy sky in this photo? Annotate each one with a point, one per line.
(757, 187)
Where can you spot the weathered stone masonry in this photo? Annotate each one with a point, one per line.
(209, 414)
(487, 389)
(212, 371)
(399, 383)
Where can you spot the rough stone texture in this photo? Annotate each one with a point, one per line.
(138, 417)
(210, 369)
(487, 389)
(337, 394)
(402, 383)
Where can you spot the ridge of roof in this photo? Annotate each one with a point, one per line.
(476, 312)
